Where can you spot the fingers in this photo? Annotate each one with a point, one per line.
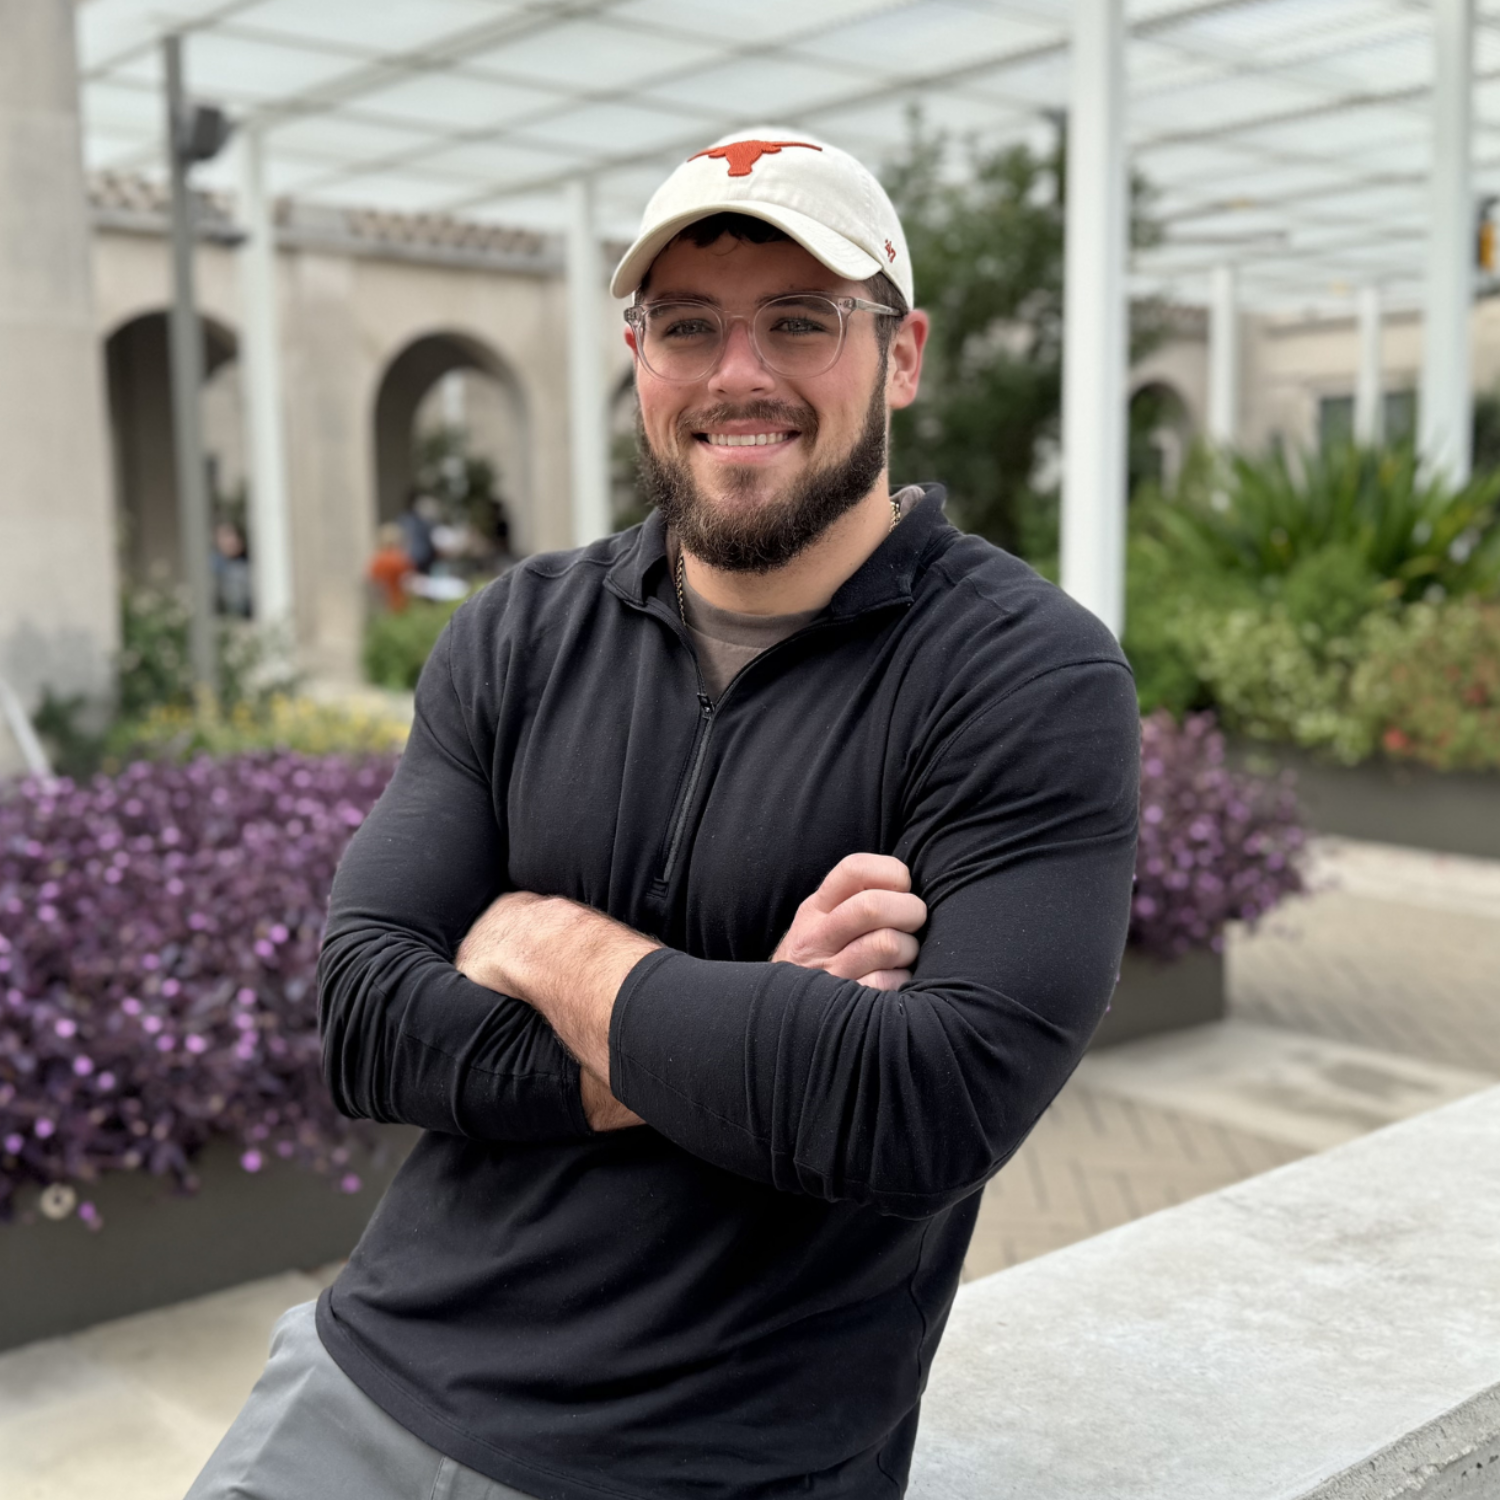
(886, 979)
(870, 911)
(872, 951)
(860, 872)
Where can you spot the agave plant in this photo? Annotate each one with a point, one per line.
(1262, 517)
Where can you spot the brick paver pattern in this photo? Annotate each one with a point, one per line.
(1411, 980)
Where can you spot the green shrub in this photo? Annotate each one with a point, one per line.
(1429, 688)
(279, 722)
(397, 644)
(1163, 583)
(1273, 678)
(1366, 515)
(155, 666)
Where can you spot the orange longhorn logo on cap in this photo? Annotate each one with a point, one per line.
(743, 155)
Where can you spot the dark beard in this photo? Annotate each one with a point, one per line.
(772, 534)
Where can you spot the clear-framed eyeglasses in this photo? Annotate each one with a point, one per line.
(798, 335)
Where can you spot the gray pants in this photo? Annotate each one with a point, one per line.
(309, 1433)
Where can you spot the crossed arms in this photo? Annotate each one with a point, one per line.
(1019, 833)
(568, 961)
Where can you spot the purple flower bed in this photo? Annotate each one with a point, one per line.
(1216, 845)
(159, 937)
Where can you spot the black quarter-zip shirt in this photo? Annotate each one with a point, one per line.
(742, 1297)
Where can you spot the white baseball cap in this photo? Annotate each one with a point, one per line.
(822, 197)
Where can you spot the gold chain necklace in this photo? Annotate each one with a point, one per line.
(682, 562)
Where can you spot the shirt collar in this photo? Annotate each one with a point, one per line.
(887, 576)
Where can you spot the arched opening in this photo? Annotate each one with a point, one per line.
(139, 381)
(1161, 432)
(448, 411)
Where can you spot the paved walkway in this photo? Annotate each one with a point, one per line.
(1375, 997)
(1396, 951)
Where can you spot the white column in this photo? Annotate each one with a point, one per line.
(260, 350)
(1368, 424)
(1094, 332)
(588, 452)
(1224, 359)
(1446, 410)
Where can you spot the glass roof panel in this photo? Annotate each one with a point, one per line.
(1290, 135)
(767, 86)
(233, 67)
(935, 36)
(585, 55)
(390, 26)
(444, 102)
(621, 127)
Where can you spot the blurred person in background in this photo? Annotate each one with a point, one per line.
(422, 513)
(751, 882)
(231, 566)
(391, 568)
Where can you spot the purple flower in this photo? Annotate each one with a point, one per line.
(1215, 846)
(138, 1022)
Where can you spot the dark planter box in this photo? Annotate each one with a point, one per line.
(158, 1246)
(1155, 995)
(1452, 812)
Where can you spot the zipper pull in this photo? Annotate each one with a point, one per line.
(706, 704)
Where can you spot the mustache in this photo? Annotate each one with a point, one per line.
(803, 418)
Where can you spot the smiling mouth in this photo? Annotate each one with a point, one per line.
(743, 439)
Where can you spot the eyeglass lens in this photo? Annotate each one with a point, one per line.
(798, 336)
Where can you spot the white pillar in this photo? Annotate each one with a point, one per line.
(451, 393)
(588, 451)
(1444, 438)
(1368, 423)
(260, 349)
(1094, 331)
(1224, 359)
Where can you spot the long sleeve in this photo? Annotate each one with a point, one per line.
(1021, 838)
(405, 1036)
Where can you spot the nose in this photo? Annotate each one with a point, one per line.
(739, 371)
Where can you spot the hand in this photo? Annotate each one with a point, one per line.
(859, 923)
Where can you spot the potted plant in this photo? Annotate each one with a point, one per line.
(1216, 846)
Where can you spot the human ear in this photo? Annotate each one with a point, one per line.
(903, 371)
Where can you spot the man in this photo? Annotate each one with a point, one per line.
(751, 883)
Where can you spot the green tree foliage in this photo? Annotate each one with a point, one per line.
(987, 256)
(466, 484)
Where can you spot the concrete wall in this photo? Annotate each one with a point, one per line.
(1329, 1331)
(57, 566)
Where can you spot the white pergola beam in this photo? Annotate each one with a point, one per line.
(1368, 392)
(1094, 332)
(1224, 358)
(588, 450)
(260, 351)
(1444, 438)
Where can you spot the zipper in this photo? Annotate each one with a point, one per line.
(706, 712)
(690, 786)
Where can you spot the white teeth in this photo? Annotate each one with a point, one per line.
(746, 439)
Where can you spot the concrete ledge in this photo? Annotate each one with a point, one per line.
(1329, 1331)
